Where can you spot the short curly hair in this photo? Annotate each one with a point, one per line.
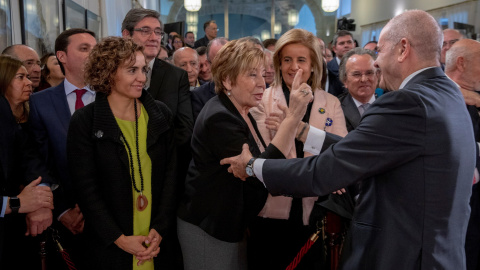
(236, 57)
(104, 60)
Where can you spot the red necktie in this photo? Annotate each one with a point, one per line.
(79, 103)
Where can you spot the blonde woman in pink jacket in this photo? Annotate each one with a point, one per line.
(282, 227)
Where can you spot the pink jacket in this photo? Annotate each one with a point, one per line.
(278, 207)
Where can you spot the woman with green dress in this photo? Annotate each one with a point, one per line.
(121, 158)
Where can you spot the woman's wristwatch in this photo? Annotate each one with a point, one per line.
(249, 167)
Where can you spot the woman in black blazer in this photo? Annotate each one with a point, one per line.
(121, 156)
(216, 207)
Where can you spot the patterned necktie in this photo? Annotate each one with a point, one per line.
(79, 103)
(362, 108)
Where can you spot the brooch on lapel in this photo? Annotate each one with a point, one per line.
(99, 134)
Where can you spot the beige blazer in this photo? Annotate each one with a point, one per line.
(278, 207)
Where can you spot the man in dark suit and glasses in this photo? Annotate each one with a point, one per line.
(165, 82)
(414, 152)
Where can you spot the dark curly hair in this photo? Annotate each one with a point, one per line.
(104, 60)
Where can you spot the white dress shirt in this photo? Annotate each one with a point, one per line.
(87, 98)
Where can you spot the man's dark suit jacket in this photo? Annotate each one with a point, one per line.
(101, 176)
(170, 85)
(201, 42)
(414, 152)
(214, 199)
(200, 96)
(472, 240)
(350, 110)
(335, 86)
(31, 164)
(49, 118)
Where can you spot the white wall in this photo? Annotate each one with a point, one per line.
(113, 12)
(371, 11)
(371, 15)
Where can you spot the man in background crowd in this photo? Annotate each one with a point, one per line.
(189, 39)
(205, 72)
(205, 92)
(342, 43)
(450, 36)
(187, 59)
(211, 30)
(30, 60)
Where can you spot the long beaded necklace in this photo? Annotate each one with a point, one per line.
(142, 200)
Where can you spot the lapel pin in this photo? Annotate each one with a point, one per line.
(99, 134)
(328, 122)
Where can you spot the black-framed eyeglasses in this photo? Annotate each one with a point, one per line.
(147, 31)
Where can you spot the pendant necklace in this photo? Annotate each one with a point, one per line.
(142, 200)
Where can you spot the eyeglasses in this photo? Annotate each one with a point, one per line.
(214, 29)
(30, 63)
(451, 42)
(358, 75)
(147, 31)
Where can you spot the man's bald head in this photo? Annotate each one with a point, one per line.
(187, 59)
(410, 42)
(463, 64)
(30, 60)
(450, 36)
(421, 30)
(214, 46)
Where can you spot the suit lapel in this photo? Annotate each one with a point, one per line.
(60, 104)
(350, 110)
(158, 72)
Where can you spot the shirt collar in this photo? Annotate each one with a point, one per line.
(149, 74)
(338, 60)
(69, 87)
(358, 103)
(411, 76)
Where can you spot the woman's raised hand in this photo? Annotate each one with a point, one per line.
(300, 95)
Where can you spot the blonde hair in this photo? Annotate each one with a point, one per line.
(234, 58)
(307, 39)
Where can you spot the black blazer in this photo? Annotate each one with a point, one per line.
(214, 199)
(100, 172)
(31, 165)
(200, 96)
(414, 152)
(170, 85)
(201, 42)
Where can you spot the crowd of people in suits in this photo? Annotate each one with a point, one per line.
(218, 154)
